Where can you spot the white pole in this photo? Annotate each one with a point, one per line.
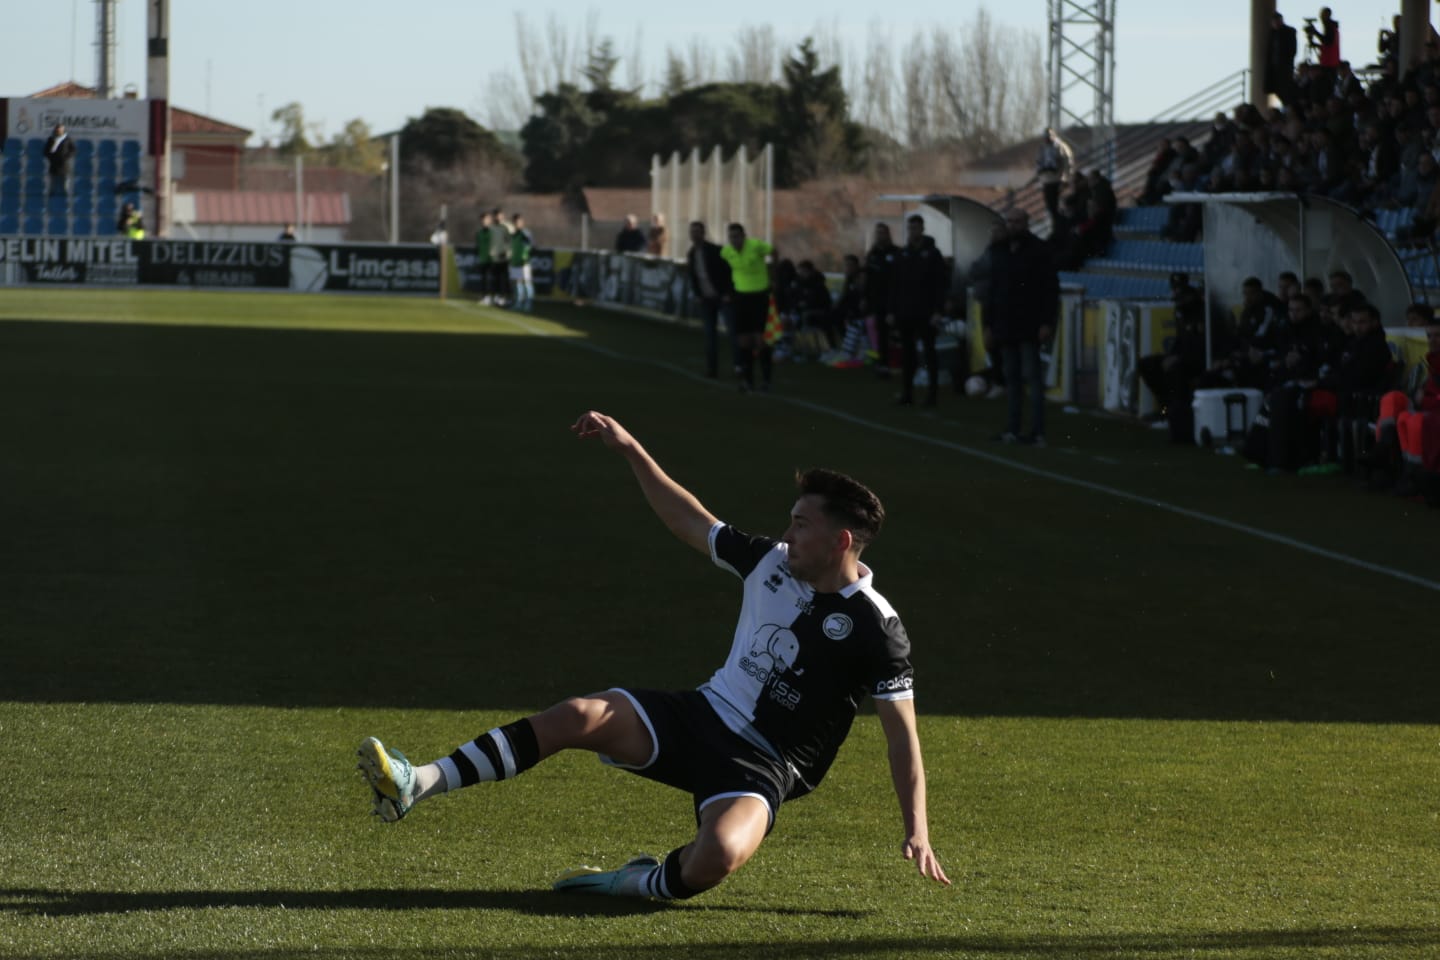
(674, 213)
(300, 195)
(742, 174)
(395, 189)
(584, 231)
(157, 86)
(769, 193)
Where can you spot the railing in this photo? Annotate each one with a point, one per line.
(1128, 158)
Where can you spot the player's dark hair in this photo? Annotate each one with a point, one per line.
(844, 500)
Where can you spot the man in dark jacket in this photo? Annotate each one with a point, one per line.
(58, 151)
(1021, 304)
(919, 282)
(710, 282)
(879, 264)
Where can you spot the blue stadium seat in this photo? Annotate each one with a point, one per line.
(59, 225)
(106, 214)
(11, 166)
(82, 186)
(130, 148)
(9, 224)
(132, 197)
(130, 168)
(35, 166)
(35, 147)
(105, 186)
(57, 205)
(10, 187)
(34, 204)
(84, 149)
(84, 167)
(14, 147)
(83, 203)
(34, 226)
(107, 167)
(106, 148)
(83, 226)
(9, 204)
(1142, 219)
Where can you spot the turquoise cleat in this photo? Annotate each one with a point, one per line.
(391, 779)
(609, 882)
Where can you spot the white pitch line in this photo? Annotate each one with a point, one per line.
(1000, 461)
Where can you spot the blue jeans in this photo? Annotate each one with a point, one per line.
(1023, 370)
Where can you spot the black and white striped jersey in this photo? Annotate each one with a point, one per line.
(802, 661)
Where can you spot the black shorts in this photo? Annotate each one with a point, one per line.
(696, 752)
(751, 311)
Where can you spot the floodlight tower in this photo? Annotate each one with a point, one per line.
(1081, 72)
(157, 89)
(105, 48)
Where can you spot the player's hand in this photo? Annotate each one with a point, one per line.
(608, 429)
(918, 850)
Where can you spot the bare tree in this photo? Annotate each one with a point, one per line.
(754, 56)
(635, 60)
(700, 61)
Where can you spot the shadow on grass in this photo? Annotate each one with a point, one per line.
(545, 903)
(259, 517)
(1099, 946)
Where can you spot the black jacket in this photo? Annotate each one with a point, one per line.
(919, 281)
(58, 154)
(1024, 290)
(715, 267)
(1364, 364)
(879, 264)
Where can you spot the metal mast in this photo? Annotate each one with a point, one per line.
(1081, 71)
(105, 49)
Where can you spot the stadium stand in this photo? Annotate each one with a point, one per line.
(88, 207)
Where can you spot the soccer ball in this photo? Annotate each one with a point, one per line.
(976, 386)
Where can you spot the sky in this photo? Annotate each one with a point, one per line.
(384, 62)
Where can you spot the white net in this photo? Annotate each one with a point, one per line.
(715, 191)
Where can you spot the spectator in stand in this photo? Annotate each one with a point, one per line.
(129, 223)
(1419, 315)
(1186, 220)
(749, 260)
(710, 282)
(1222, 138)
(1021, 305)
(630, 239)
(655, 236)
(879, 268)
(919, 284)
(1346, 83)
(482, 257)
(1156, 184)
(1324, 39)
(287, 235)
(59, 149)
(1053, 168)
(1280, 59)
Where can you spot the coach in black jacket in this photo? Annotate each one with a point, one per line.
(711, 283)
(1021, 306)
(918, 283)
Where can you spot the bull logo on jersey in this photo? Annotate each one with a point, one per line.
(773, 651)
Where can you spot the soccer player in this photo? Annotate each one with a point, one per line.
(813, 638)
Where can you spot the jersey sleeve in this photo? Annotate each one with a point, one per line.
(891, 677)
(736, 551)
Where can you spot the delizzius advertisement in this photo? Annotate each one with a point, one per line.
(219, 264)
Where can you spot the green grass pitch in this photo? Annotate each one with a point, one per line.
(238, 533)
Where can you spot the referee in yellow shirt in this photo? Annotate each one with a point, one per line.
(749, 267)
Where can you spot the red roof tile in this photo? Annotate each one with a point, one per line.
(220, 206)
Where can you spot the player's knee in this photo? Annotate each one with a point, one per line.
(713, 858)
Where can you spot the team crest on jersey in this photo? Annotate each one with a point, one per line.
(837, 626)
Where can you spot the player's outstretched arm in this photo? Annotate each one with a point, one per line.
(676, 507)
(907, 770)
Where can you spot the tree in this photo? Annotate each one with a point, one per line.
(293, 129)
(353, 149)
(444, 137)
(819, 138)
